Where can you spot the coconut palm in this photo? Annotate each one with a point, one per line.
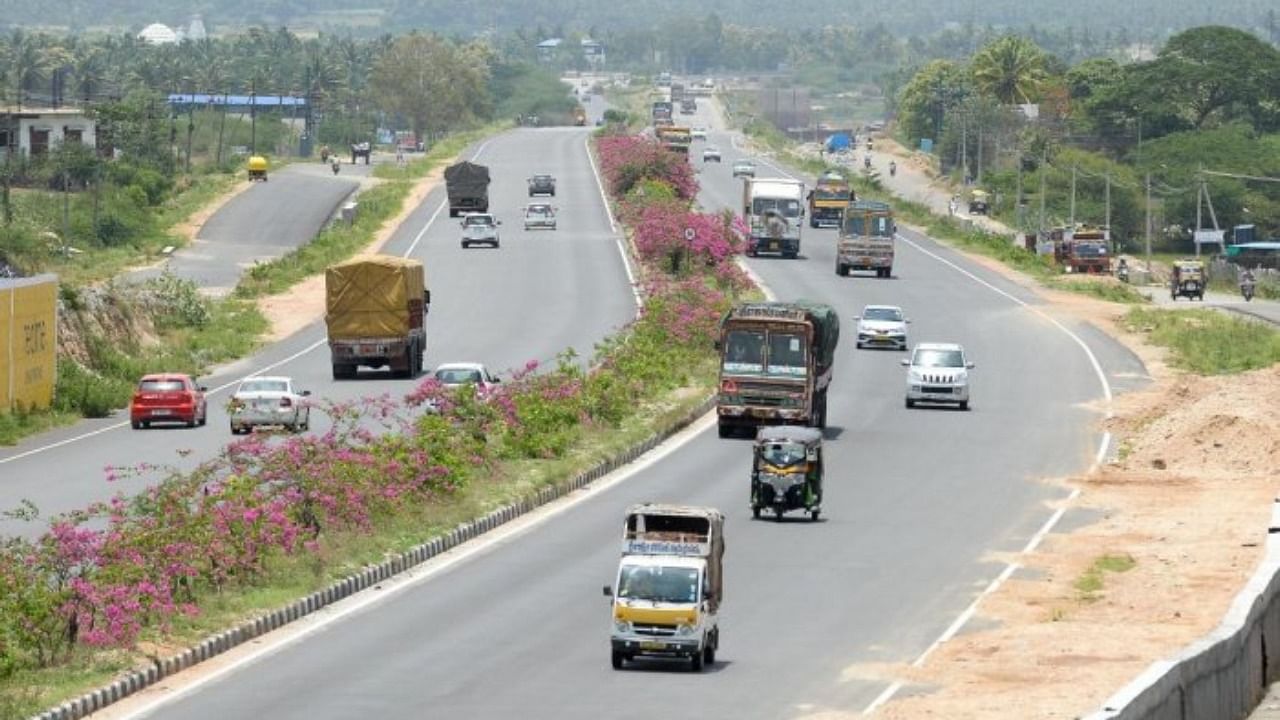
(26, 63)
(1010, 69)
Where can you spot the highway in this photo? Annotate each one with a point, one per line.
(917, 501)
(541, 292)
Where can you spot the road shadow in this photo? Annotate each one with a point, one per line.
(672, 665)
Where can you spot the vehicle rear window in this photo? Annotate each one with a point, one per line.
(162, 386)
(264, 386)
(458, 377)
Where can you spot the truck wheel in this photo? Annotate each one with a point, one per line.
(343, 372)
(725, 431)
(755, 512)
(709, 654)
(813, 515)
(616, 659)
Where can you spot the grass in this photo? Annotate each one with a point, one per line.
(1101, 288)
(1207, 342)
(29, 692)
(1089, 585)
(17, 425)
(339, 242)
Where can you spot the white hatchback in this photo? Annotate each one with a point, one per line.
(938, 373)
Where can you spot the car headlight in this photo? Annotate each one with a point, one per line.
(622, 626)
(684, 630)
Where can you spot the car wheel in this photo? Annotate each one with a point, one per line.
(616, 659)
(192, 422)
(964, 404)
(464, 246)
(136, 425)
(146, 423)
(234, 430)
(204, 417)
(813, 515)
(910, 403)
(857, 345)
(696, 662)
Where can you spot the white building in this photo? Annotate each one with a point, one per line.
(196, 30)
(32, 132)
(158, 34)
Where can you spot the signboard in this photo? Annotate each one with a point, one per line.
(1210, 237)
(665, 547)
(28, 342)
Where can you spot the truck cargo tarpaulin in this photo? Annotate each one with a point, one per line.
(368, 296)
(466, 179)
(28, 342)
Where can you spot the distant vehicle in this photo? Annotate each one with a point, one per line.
(698, 133)
(774, 211)
(167, 398)
(828, 199)
(269, 401)
(257, 168)
(938, 373)
(539, 215)
(542, 185)
(457, 374)
(468, 187)
(866, 239)
(882, 326)
(376, 314)
(711, 154)
(875, 126)
(744, 168)
(479, 229)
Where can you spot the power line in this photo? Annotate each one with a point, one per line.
(1239, 176)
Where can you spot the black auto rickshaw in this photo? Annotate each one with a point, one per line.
(1187, 279)
(786, 471)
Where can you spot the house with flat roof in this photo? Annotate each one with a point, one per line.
(33, 131)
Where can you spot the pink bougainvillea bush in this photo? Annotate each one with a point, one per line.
(122, 570)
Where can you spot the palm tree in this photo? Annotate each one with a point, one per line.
(1010, 69)
(26, 62)
(89, 71)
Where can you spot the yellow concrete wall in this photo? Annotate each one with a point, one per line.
(28, 342)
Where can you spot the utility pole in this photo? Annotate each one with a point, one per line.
(1073, 198)
(1108, 203)
(1195, 239)
(979, 180)
(191, 128)
(222, 126)
(253, 117)
(1021, 210)
(1148, 232)
(1044, 170)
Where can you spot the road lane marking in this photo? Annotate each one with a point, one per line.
(259, 371)
(266, 645)
(613, 228)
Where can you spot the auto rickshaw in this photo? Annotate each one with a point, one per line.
(1187, 279)
(786, 471)
(979, 202)
(258, 168)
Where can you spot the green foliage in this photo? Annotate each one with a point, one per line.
(1091, 583)
(1102, 288)
(1010, 70)
(1208, 342)
(927, 97)
(525, 89)
(86, 393)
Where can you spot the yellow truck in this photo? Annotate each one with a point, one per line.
(675, 139)
(669, 585)
(375, 313)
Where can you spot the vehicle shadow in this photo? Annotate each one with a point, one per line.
(832, 432)
(664, 665)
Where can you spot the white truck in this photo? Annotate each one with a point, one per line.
(669, 585)
(774, 210)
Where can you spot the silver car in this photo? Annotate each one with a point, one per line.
(269, 401)
(539, 215)
(882, 326)
(938, 373)
(744, 168)
(711, 154)
(479, 229)
(457, 374)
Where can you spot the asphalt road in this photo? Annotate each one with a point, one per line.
(917, 501)
(260, 224)
(541, 292)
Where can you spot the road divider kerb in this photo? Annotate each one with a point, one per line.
(368, 577)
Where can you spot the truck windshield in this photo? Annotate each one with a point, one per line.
(744, 351)
(1090, 249)
(831, 193)
(788, 208)
(868, 225)
(786, 354)
(658, 584)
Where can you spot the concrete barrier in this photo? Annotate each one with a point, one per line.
(1224, 675)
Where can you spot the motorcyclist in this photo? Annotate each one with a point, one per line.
(336, 165)
(893, 168)
(1122, 270)
(1247, 283)
(866, 161)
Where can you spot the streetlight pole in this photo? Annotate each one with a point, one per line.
(1148, 233)
(1073, 197)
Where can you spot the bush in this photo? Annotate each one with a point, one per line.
(1208, 342)
(87, 393)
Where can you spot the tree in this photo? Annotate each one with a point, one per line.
(1010, 69)
(926, 98)
(431, 82)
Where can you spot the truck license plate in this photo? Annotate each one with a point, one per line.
(773, 246)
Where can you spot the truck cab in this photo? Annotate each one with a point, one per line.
(668, 585)
(774, 210)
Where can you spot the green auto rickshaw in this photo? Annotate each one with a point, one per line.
(786, 471)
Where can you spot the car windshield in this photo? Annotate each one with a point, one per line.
(884, 314)
(938, 358)
(658, 584)
(745, 165)
(788, 208)
(786, 354)
(254, 386)
(457, 376)
(479, 220)
(538, 210)
(161, 386)
(542, 178)
(783, 455)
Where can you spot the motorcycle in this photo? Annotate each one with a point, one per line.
(893, 169)
(1246, 289)
(866, 162)
(336, 166)
(1122, 274)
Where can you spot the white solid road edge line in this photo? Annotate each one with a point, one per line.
(1049, 524)
(259, 371)
(151, 699)
(613, 227)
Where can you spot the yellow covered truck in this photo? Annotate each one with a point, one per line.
(375, 313)
(675, 139)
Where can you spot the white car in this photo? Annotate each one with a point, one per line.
(939, 373)
(711, 153)
(263, 401)
(882, 326)
(480, 229)
(698, 134)
(744, 168)
(454, 375)
(539, 215)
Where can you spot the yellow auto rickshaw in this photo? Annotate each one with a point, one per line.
(786, 471)
(979, 202)
(1187, 279)
(258, 168)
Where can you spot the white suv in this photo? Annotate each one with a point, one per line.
(938, 372)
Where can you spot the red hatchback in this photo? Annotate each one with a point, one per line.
(167, 397)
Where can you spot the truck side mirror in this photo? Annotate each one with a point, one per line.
(608, 591)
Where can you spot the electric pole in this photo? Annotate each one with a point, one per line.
(1148, 232)
(1073, 198)
(1044, 170)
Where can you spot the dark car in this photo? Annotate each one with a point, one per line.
(542, 185)
(167, 397)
